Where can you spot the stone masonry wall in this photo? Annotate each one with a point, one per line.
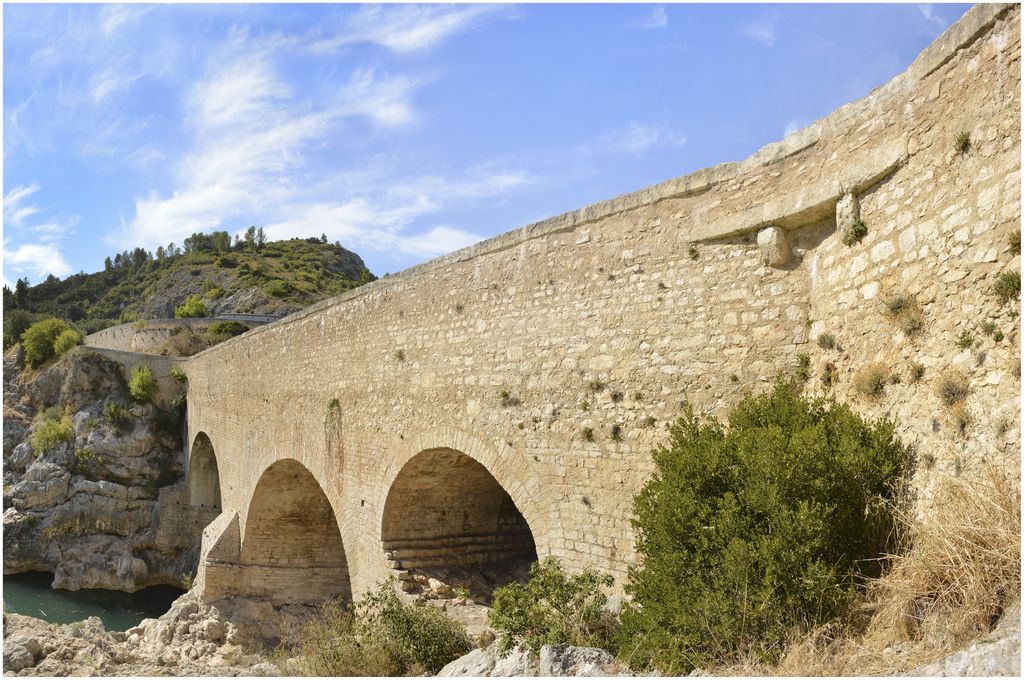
(554, 355)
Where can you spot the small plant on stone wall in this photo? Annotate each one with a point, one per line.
(117, 417)
(507, 399)
(855, 232)
(1015, 240)
(400, 355)
(988, 328)
(871, 380)
(916, 372)
(827, 341)
(829, 375)
(142, 386)
(178, 374)
(459, 307)
(965, 340)
(904, 310)
(585, 405)
(998, 336)
(734, 378)
(187, 579)
(693, 253)
(962, 142)
(638, 396)
(961, 418)
(650, 421)
(953, 388)
(616, 433)
(1007, 286)
(617, 396)
(588, 434)
(803, 367)
(595, 385)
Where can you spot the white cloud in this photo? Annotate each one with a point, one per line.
(108, 81)
(928, 12)
(14, 212)
(404, 28)
(658, 18)
(639, 138)
(791, 127)
(37, 259)
(113, 17)
(762, 32)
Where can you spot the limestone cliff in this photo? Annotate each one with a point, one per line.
(97, 508)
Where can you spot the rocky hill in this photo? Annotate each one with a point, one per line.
(277, 278)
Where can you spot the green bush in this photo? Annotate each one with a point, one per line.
(278, 288)
(750, 533)
(178, 373)
(378, 636)
(1007, 286)
(228, 328)
(66, 341)
(39, 340)
(192, 308)
(854, 233)
(142, 386)
(117, 417)
(54, 429)
(552, 608)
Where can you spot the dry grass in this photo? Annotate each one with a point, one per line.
(958, 571)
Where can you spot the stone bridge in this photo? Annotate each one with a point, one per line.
(501, 403)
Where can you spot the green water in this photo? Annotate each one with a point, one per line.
(29, 593)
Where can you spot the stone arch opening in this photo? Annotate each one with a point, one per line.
(203, 476)
(448, 523)
(292, 549)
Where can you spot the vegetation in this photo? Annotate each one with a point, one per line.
(803, 367)
(178, 373)
(827, 341)
(904, 310)
(377, 636)
(965, 340)
(222, 330)
(40, 341)
(312, 269)
(142, 386)
(192, 308)
(962, 141)
(751, 532)
(1007, 286)
(953, 388)
(916, 372)
(117, 417)
(552, 608)
(871, 380)
(854, 233)
(55, 428)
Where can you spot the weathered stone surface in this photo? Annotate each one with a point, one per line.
(489, 663)
(569, 661)
(847, 211)
(774, 245)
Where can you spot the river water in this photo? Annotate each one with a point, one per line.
(29, 593)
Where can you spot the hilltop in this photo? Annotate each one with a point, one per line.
(249, 276)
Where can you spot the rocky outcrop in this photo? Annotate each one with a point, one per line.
(996, 654)
(560, 661)
(86, 509)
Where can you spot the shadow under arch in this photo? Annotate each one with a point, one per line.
(447, 518)
(292, 549)
(203, 475)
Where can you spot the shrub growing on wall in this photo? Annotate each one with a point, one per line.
(66, 341)
(750, 532)
(142, 386)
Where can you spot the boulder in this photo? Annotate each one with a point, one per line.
(569, 661)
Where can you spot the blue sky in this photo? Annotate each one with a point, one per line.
(403, 131)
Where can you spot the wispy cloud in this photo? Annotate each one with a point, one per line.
(113, 17)
(656, 18)
(14, 212)
(109, 81)
(928, 12)
(791, 127)
(639, 138)
(761, 31)
(404, 28)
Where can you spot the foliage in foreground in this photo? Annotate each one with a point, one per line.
(378, 636)
(552, 608)
(46, 339)
(751, 532)
(192, 308)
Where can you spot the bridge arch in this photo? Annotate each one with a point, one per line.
(446, 517)
(203, 474)
(292, 549)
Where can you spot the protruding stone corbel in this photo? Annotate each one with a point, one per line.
(774, 245)
(847, 212)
